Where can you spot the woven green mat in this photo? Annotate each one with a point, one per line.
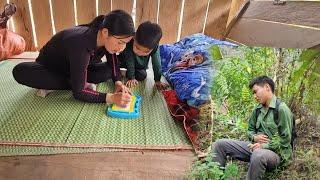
(59, 120)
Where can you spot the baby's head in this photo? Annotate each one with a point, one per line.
(193, 58)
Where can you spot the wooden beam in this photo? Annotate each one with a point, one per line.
(63, 14)
(93, 166)
(194, 15)
(22, 23)
(217, 18)
(235, 8)
(104, 7)
(86, 11)
(233, 18)
(126, 5)
(146, 11)
(169, 18)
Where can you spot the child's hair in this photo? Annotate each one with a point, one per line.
(118, 22)
(148, 34)
(262, 80)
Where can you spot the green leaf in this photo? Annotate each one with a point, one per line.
(216, 53)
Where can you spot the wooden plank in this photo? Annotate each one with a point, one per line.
(217, 18)
(234, 9)
(113, 165)
(2, 3)
(42, 21)
(86, 11)
(299, 13)
(194, 15)
(254, 32)
(169, 18)
(22, 22)
(126, 5)
(104, 7)
(63, 14)
(146, 10)
(233, 18)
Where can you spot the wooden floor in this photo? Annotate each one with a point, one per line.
(113, 165)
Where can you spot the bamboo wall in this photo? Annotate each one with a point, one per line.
(38, 20)
(260, 23)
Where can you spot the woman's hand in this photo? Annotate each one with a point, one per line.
(161, 85)
(132, 83)
(119, 98)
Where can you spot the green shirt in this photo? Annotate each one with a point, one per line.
(133, 62)
(280, 135)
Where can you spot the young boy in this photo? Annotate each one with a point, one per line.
(135, 57)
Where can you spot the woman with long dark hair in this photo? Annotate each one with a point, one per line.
(71, 59)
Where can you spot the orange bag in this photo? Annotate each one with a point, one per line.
(10, 44)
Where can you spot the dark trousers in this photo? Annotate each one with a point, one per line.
(35, 75)
(260, 159)
(140, 74)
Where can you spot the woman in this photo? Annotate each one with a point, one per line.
(71, 59)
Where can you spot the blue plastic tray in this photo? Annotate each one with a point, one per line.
(126, 115)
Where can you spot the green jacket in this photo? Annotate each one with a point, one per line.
(133, 62)
(280, 135)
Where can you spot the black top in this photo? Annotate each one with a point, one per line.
(70, 52)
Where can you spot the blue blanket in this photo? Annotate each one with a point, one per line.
(188, 66)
